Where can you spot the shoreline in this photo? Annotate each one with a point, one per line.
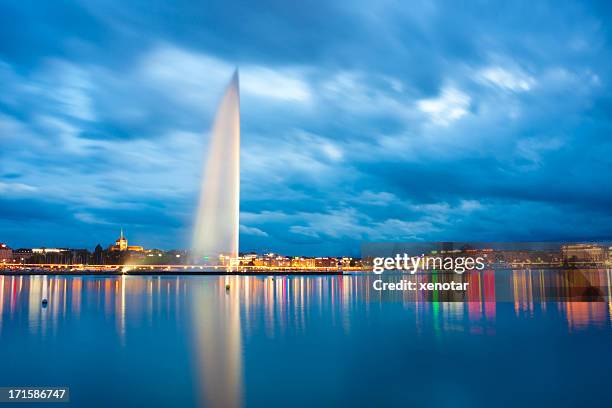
(170, 273)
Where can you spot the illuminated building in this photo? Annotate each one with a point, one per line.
(54, 256)
(525, 257)
(325, 262)
(6, 253)
(121, 244)
(581, 253)
(22, 254)
(50, 255)
(300, 262)
(247, 259)
(45, 251)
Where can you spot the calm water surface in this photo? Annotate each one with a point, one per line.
(301, 341)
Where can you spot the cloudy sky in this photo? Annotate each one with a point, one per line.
(361, 120)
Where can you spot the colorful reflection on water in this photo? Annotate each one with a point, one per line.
(317, 340)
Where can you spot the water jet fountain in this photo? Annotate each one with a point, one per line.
(215, 234)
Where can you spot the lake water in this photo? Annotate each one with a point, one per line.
(303, 341)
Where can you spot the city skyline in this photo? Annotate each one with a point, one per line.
(425, 123)
(493, 255)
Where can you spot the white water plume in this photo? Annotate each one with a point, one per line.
(216, 226)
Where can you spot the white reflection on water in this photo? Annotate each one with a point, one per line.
(218, 342)
(122, 311)
(278, 304)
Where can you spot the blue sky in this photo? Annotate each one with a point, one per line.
(361, 120)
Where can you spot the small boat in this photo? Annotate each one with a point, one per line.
(44, 302)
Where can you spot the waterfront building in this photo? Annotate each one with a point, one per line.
(50, 256)
(348, 262)
(45, 251)
(301, 262)
(325, 262)
(247, 259)
(583, 253)
(22, 255)
(6, 253)
(525, 257)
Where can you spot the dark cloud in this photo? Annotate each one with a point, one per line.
(361, 121)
